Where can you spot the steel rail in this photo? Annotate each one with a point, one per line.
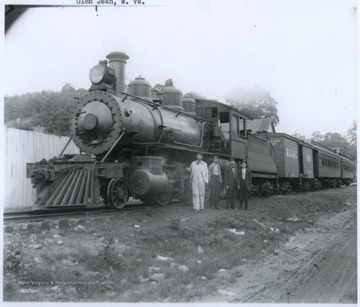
(44, 214)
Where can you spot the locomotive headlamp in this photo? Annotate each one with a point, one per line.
(102, 74)
(97, 74)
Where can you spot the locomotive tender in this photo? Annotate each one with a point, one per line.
(137, 141)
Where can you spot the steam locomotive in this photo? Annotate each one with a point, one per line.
(136, 141)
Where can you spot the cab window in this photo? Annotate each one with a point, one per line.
(211, 113)
(239, 125)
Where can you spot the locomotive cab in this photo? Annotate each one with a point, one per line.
(229, 135)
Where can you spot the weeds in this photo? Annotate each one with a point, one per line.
(269, 235)
(100, 259)
(13, 265)
(181, 241)
(221, 222)
(13, 258)
(108, 258)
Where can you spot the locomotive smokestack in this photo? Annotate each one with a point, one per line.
(117, 61)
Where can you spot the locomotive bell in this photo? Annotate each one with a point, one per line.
(172, 97)
(140, 87)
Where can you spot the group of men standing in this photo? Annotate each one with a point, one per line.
(235, 181)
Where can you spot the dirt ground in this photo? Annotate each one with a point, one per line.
(305, 252)
(316, 265)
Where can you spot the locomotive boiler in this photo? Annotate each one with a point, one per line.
(109, 120)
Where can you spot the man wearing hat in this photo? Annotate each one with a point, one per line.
(245, 184)
(215, 181)
(198, 178)
(232, 184)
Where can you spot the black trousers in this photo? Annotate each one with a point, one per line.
(244, 197)
(214, 191)
(231, 197)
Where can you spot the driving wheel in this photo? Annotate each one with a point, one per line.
(117, 193)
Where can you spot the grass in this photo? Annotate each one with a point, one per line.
(180, 241)
(86, 258)
(175, 239)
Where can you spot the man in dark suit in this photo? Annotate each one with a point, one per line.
(215, 181)
(245, 185)
(232, 184)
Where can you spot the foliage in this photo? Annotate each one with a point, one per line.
(346, 146)
(337, 141)
(352, 134)
(222, 222)
(13, 258)
(51, 110)
(299, 136)
(108, 258)
(317, 136)
(254, 102)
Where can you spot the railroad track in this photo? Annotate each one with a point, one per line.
(57, 213)
(43, 214)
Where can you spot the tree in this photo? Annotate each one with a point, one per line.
(299, 136)
(254, 102)
(352, 134)
(352, 137)
(337, 141)
(317, 136)
(67, 89)
(51, 110)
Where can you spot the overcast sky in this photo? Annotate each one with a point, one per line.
(305, 53)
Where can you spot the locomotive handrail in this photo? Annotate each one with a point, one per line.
(267, 141)
(67, 144)
(160, 144)
(113, 146)
(154, 104)
(272, 151)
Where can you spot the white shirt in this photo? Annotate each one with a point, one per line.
(215, 169)
(199, 171)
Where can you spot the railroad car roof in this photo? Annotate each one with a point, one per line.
(344, 158)
(328, 150)
(285, 135)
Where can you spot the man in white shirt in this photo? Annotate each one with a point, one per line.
(198, 178)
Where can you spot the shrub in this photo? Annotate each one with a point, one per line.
(13, 256)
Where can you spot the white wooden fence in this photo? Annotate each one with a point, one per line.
(22, 147)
